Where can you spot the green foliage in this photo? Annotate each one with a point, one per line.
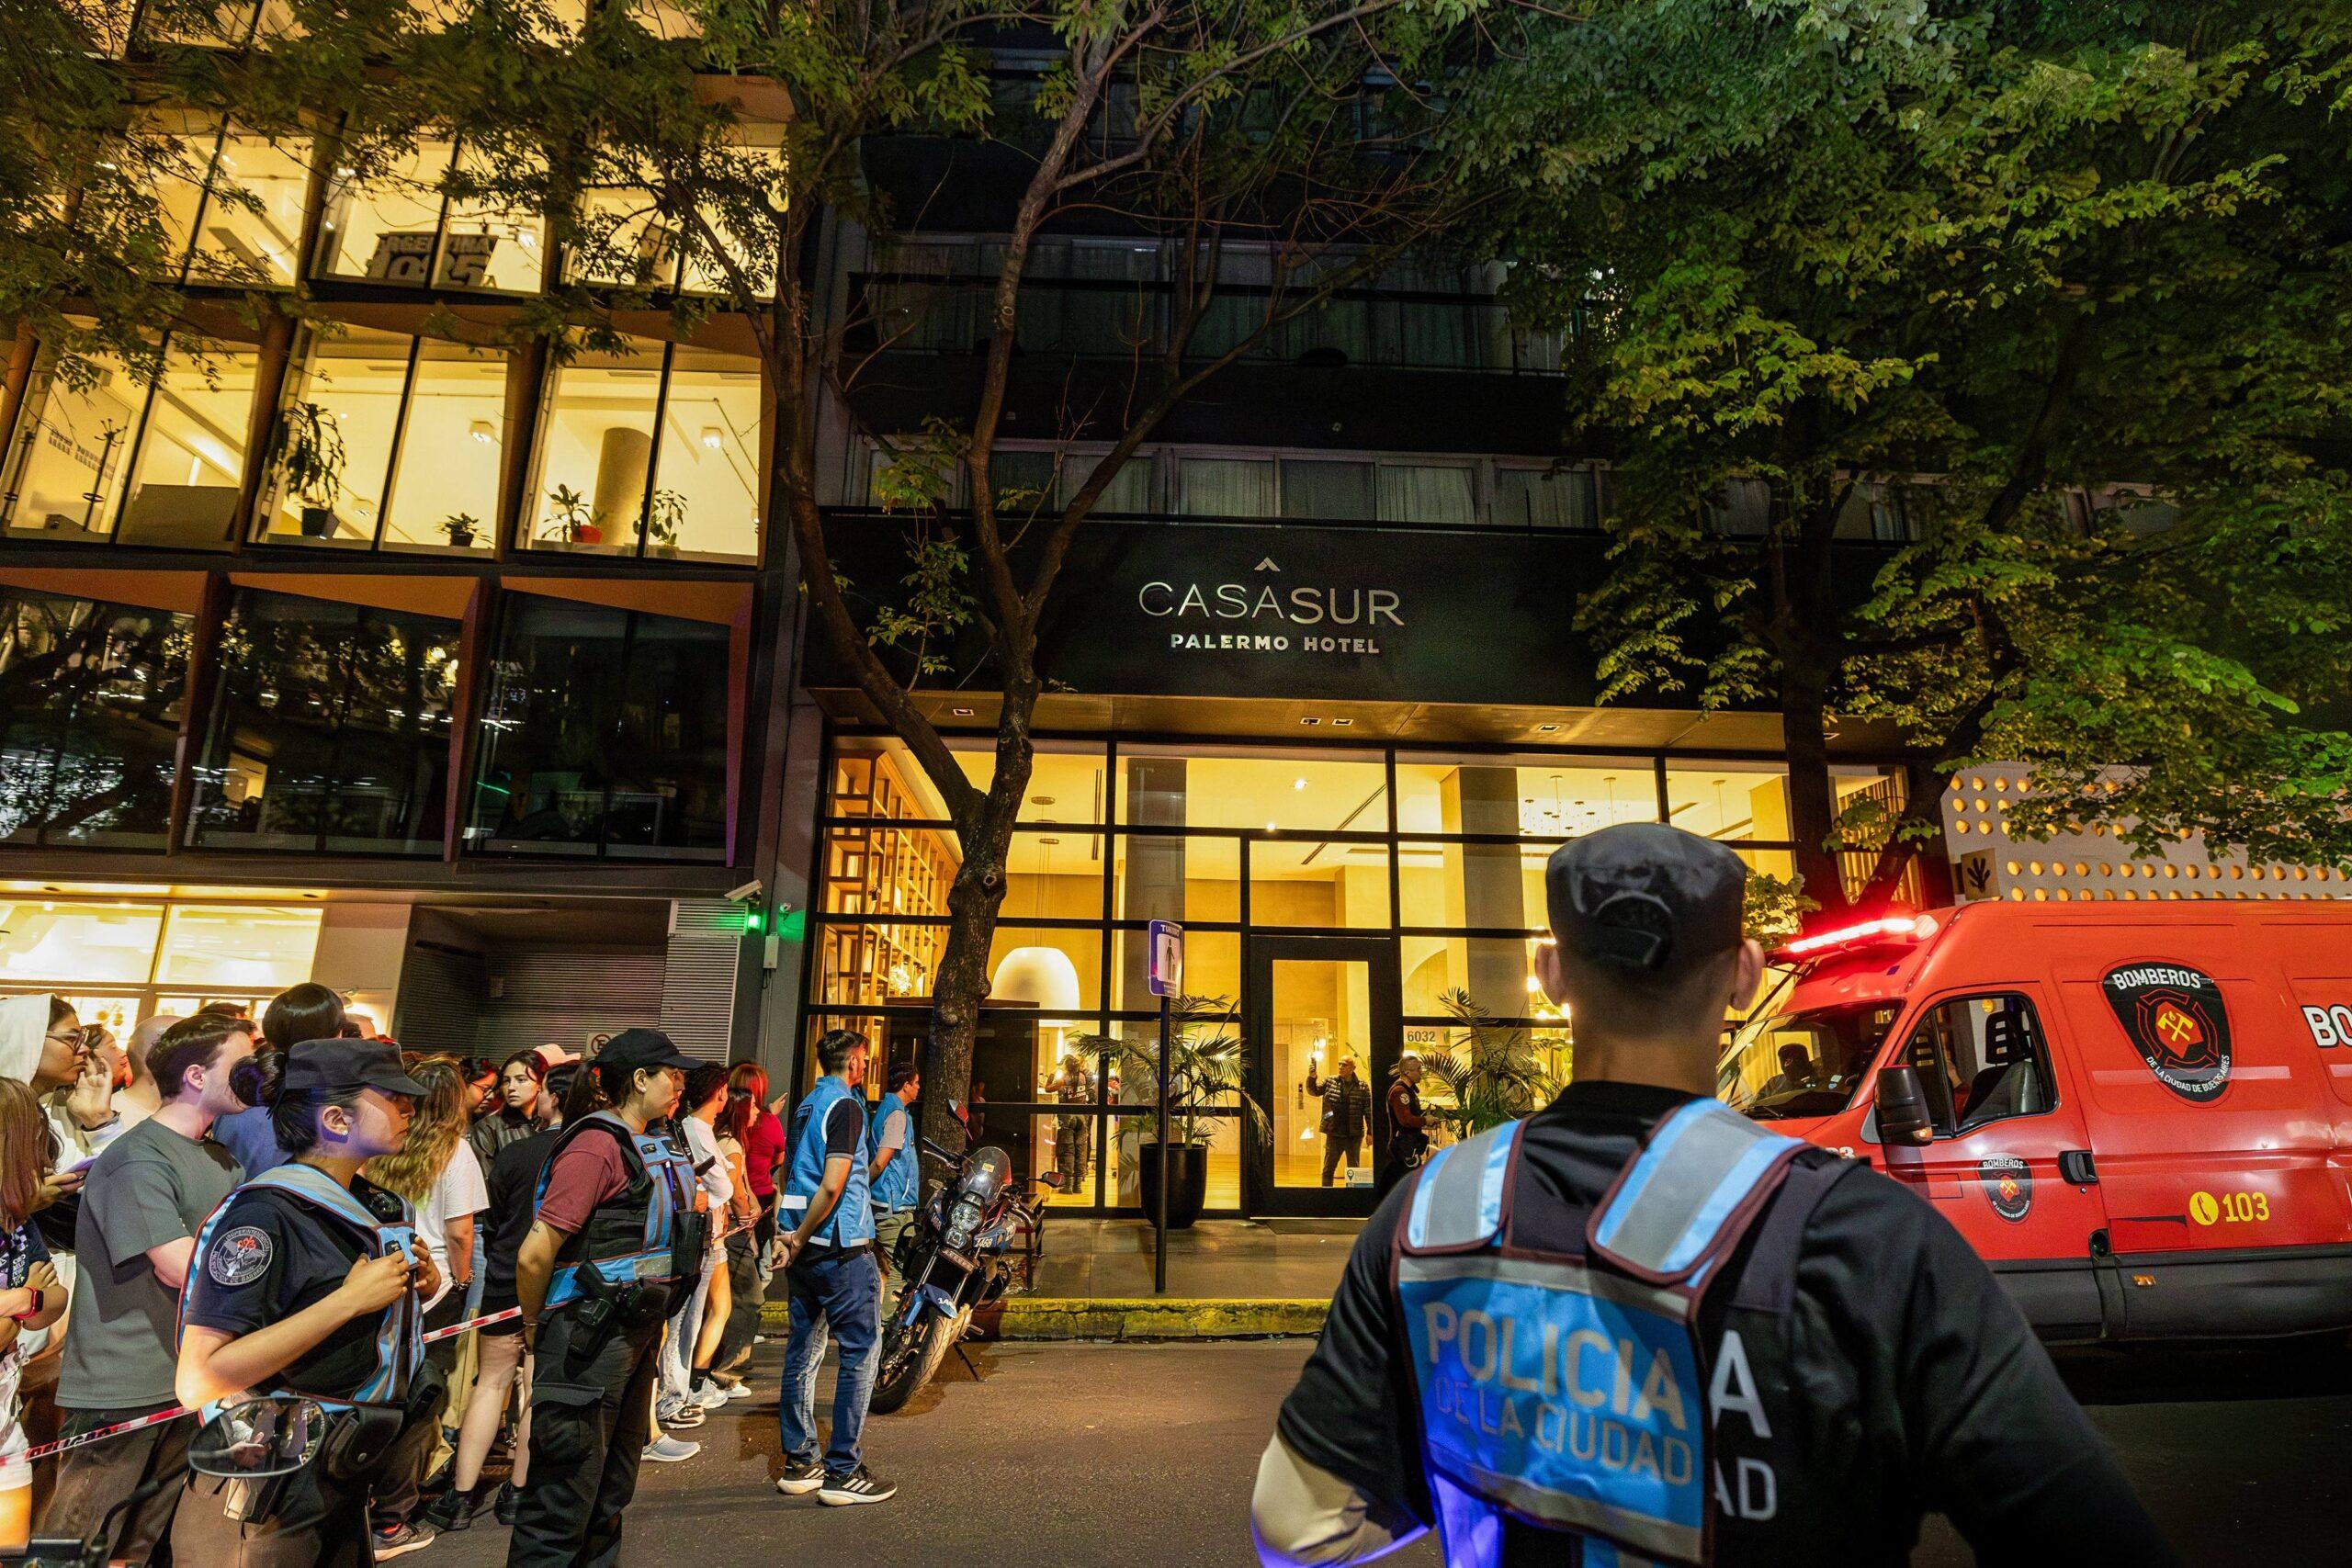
(2007, 253)
(1775, 909)
(571, 515)
(1206, 1067)
(311, 454)
(1491, 1068)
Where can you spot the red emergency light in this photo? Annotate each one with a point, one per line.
(1885, 930)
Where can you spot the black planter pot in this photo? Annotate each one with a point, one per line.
(1188, 1169)
(318, 522)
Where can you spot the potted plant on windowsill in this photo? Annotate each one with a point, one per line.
(309, 461)
(462, 528)
(573, 519)
(1206, 1067)
(664, 519)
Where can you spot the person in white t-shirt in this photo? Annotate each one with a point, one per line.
(685, 1397)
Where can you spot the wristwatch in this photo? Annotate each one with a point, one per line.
(41, 1300)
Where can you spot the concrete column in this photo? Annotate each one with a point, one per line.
(1153, 889)
(624, 462)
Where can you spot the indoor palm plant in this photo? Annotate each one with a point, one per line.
(308, 461)
(1206, 1087)
(1492, 1070)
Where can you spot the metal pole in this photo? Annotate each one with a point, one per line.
(1160, 1241)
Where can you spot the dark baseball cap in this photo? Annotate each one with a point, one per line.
(1646, 898)
(636, 1048)
(331, 1065)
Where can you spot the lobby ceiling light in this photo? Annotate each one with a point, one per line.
(961, 712)
(712, 435)
(483, 431)
(1545, 728)
(1298, 783)
(1341, 722)
(1310, 723)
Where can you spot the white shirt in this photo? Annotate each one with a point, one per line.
(458, 1190)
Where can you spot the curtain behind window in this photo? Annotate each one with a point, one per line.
(1228, 487)
(1537, 498)
(1341, 490)
(1427, 492)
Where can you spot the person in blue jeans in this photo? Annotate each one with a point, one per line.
(836, 1286)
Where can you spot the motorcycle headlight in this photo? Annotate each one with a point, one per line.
(963, 1219)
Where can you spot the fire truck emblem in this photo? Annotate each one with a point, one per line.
(2009, 1186)
(2175, 1017)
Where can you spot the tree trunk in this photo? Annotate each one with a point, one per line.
(974, 901)
(1805, 729)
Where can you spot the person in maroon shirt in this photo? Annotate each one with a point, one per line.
(1408, 1138)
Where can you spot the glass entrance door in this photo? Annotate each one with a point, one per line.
(1321, 1011)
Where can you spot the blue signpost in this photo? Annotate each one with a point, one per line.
(1166, 980)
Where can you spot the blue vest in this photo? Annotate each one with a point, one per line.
(399, 1342)
(900, 1183)
(1567, 1391)
(852, 1221)
(632, 1240)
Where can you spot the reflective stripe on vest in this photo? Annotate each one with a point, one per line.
(669, 1179)
(1569, 1391)
(399, 1344)
(852, 1221)
(900, 1183)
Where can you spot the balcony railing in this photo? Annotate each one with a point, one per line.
(1088, 318)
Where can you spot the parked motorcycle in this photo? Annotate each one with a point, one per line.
(973, 1244)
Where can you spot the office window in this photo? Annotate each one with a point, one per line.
(90, 705)
(387, 440)
(608, 486)
(401, 226)
(72, 452)
(605, 734)
(331, 730)
(249, 226)
(190, 457)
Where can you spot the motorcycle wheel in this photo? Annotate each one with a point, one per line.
(911, 1355)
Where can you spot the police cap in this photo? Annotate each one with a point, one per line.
(1645, 897)
(334, 1066)
(634, 1048)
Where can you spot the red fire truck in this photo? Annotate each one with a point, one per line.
(2140, 1113)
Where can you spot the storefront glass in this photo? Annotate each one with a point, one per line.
(119, 961)
(1297, 856)
(90, 704)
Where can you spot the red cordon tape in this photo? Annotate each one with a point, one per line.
(140, 1424)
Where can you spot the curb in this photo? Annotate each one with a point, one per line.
(1081, 1317)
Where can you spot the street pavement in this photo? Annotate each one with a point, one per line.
(1062, 1455)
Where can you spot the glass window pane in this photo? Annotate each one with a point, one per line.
(1172, 878)
(89, 944)
(1129, 493)
(546, 729)
(1315, 882)
(1344, 492)
(1053, 875)
(445, 490)
(706, 499)
(1227, 487)
(1199, 787)
(1544, 498)
(624, 239)
(1494, 972)
(595, 452)
(246, 947)
(333, 444)
(1729, 800)
(668, 755)
(191, 455)
(332, 730)
(1494, 887)
(1212, 968)
(1534, 796)
(760, 145)
(1428, 492)
(1057, 970)
(874, 775)
(382, 230)
(872, 965)
(90, 698)
(179, 189)
(72, 451)
(486, 245)
(890, 871)
(251, 225)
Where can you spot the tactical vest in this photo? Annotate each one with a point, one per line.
(638, 1238)
(851, 1222)
(900, 1183)
(399, 1342)
(1567, 1391)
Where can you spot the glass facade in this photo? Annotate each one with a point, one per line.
(90, 696)
(1436, 858)
(119, 961)
(400, 226)
(330, 730)
(604, 736)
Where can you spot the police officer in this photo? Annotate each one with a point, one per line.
(1636, 1327)
(894, 1170)
(614, 1235)
(307, 1281)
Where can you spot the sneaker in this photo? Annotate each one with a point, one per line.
(453, 1510)
(800, 1476)
(709, 1396)
(682, 1416)
(738, 1389)
(666, 1450)
(860, 1485)
(398, 1540)
(510, 1505)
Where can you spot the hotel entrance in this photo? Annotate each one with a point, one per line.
(1320, 1010)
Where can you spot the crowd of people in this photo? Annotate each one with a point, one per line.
(471, 1264)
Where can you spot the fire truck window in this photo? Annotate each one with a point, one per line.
(1981, 1059)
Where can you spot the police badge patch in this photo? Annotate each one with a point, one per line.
(239, 1257)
